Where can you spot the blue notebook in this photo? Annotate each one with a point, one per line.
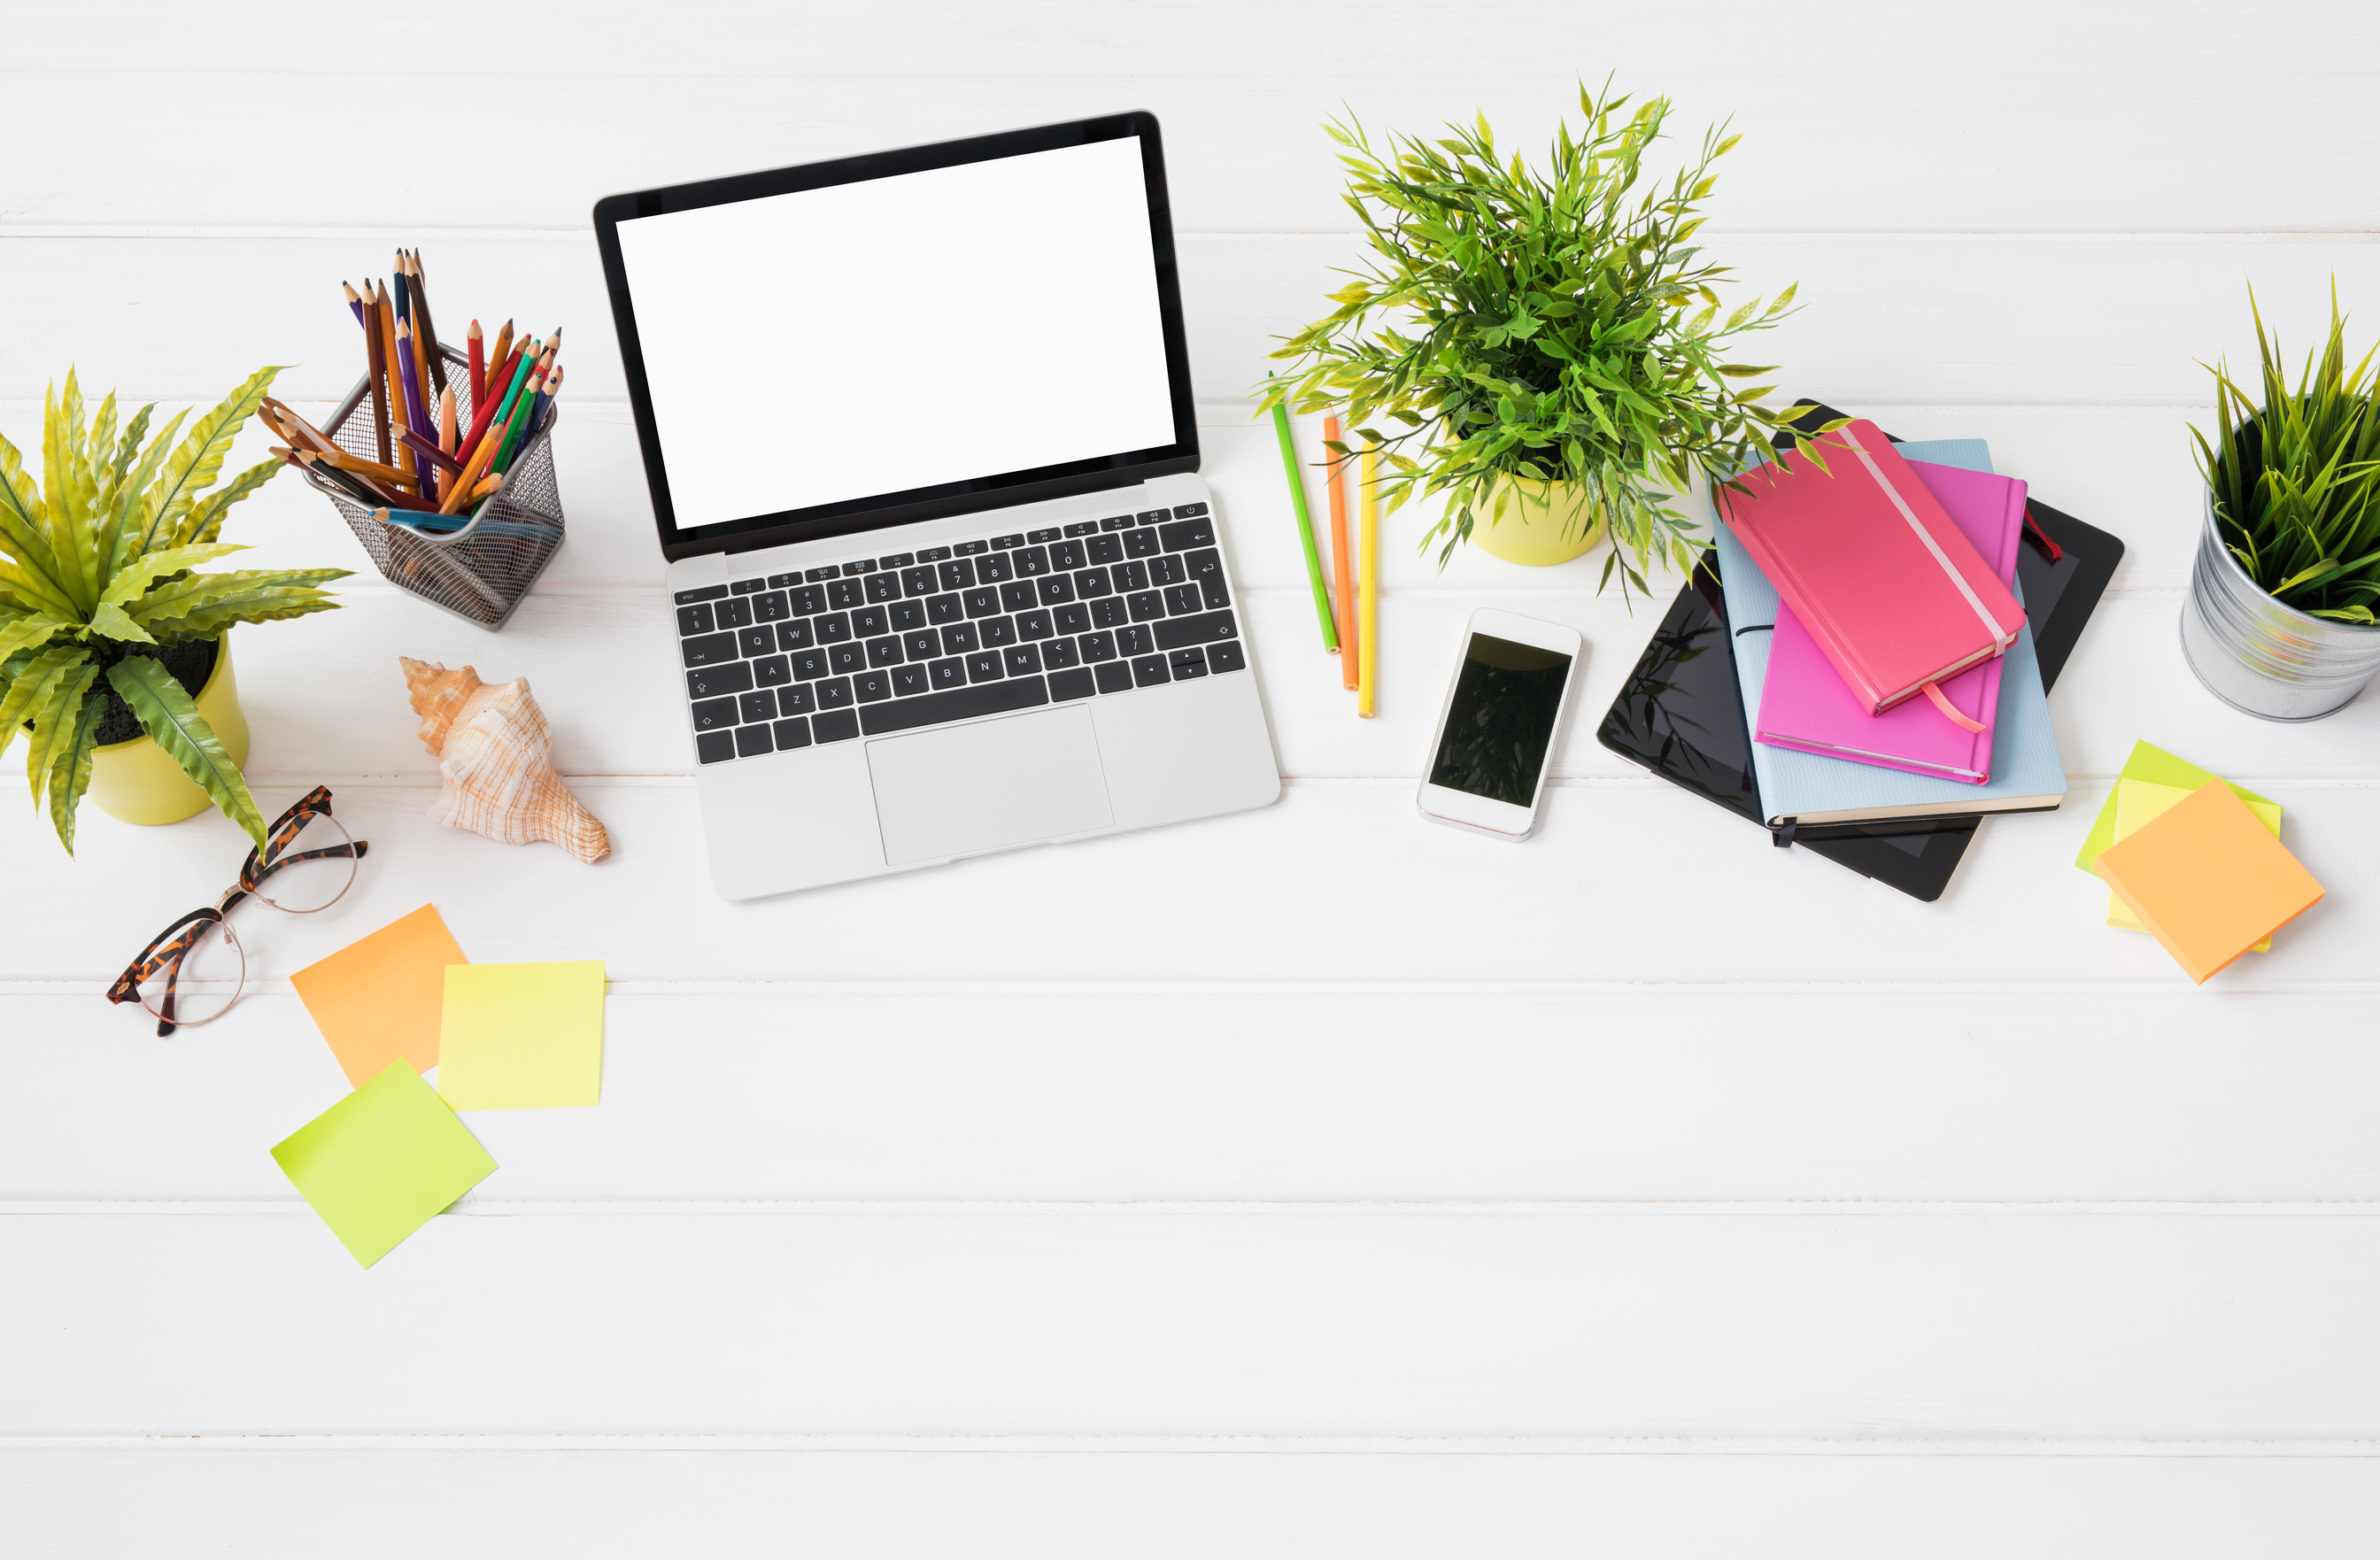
(2027, 774)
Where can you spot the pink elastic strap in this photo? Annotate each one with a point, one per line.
(1949, 712)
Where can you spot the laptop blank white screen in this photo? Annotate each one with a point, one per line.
(901, 332)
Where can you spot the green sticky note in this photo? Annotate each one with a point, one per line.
(522, 1036)
(378, 1165)
(2158, 767)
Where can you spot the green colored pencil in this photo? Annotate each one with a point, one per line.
(1305, 528)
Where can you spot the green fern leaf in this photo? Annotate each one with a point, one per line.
(68, 487)
(24, 520)
(70, 771)
(204, 605)
(109, 619)
(137, 492)
(31, 632)
(173, 723)
(199, 458)
(36, 593)
(140, 574)
(53, 725)
(206, 518)
(32, 685)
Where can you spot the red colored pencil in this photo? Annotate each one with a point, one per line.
(479, 365)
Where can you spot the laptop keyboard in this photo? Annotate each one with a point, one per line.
(1094, 609)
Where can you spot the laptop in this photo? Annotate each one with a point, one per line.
(943, 576)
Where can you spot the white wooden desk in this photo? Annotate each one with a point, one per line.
(1308, 1182)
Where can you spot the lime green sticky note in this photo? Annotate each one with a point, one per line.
(2158, 767)
(378, 1165)
(522, 1036)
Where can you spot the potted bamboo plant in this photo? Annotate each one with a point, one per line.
(114, 655)
(1546, 350)
(2280, 618)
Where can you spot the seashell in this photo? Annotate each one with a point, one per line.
(495, 750)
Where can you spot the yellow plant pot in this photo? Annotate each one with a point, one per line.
(139, 782)
(1543, 523)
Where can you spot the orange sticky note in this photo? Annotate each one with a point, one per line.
(2208, 880)
(378, 1000)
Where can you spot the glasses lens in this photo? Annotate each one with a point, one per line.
(303, 886)
(209, 982)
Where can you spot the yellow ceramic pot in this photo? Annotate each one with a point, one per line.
(1543, 522)
(139, 782)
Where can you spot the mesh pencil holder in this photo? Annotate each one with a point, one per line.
(481, 572)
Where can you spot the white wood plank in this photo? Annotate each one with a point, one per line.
(1048, 1507)
(1190, 1094)
(1293, 1320)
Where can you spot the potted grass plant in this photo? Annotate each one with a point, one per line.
(1546, 349)
(113, 654)
(2280, 619)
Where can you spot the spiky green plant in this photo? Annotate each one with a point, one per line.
(96, 576)
(2297, 480)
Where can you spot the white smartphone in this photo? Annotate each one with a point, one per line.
(1496, 731)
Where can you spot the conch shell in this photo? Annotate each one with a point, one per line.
(492, 744)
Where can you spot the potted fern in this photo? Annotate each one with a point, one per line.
(113, 649)
(1551, 342)
(2280, 618)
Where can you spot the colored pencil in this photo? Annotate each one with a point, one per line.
(430, 452)
(364, 490)
(424, 323)
(375, 364)
(1342, 595)
(388, 362)
(363, 467)
(1368, 543)
(545, 394)
(501, 356)
(478, 364)
(355, 302)
(1304, 528)
(471, 471)
(413, 322)
(527, 360)
(447, 431)
(417, 415)
(290, 425)
(521, 424)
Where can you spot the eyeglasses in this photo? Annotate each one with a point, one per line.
(309, 858)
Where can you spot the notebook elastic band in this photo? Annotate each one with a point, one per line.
(1990, 627)
(1951, 712)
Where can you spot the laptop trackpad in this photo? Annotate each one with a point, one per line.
(977, 788)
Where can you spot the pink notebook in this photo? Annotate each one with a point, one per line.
(1804, 704)
(1888, 587)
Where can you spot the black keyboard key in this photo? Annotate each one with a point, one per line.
(862, 566)
(752, 741)
(701, 593)
(932, 555)
(1108, 613)
(715, 715)
(967, 548)
(907, 614)
(746, 587)
(826, 574)
(1130, 577)
(944, 608)
(770, 606)
(791, 735)
(735, 612)
(1151, 516)
(1182, 600)
(1047, 533)
(1058, 653)
(883, 588)
(846, 593)
(696, 618)
(832, 628)
(1186, 510)
(910, 679)
(1022, 660)
(959, 704)
(761, 641)
(1191, 662)
(983, 666)
(1075, 619)
(1168, 569)
(919, 581)
(1147, 607)
(1226, 658)
(922, 643)
(795, 635)
(727, 677)
(714, 747)
(845, 658)
(1207, 568)
(982, 601)
(1106, 549)
(1174, 633)
(1016, 595)
(1075, 684)
(1098, 647)
(869, 622)
(994, 567)
(1198, 532)
(1116, 523)
(956, 574)
(795, 699)
(841, 726)
(1083, 528)
(1015, 538)
(1093, 582)
(959, 638)
(808, 601)
(1030, 561)
(1132, 640)
(760, 705)
(833, 693)
(998, 631)
(1034, 624)
(1057, 589)
(779, 581)
(1149, 670)
(884, 652)
(771, 671)
(1115, 677)
(948, 673)
(809, 665)
(1067, 555)
(896, 560)
(872, 686)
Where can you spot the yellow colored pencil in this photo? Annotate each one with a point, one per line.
(1367, 547)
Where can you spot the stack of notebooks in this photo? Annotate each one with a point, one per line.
(1862, 662)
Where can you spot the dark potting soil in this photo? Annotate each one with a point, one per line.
(190, 665)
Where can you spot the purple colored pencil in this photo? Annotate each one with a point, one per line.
(416, 413)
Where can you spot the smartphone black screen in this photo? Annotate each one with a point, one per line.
(1501, 720)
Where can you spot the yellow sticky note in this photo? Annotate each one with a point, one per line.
(383, 1162)
(521, 1036)
(376, 1001)
(2139, 801)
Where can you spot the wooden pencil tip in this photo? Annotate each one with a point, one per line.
(473, 333)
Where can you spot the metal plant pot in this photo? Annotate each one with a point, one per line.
(2264, 658)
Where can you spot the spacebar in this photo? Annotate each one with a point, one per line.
(927, 709)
